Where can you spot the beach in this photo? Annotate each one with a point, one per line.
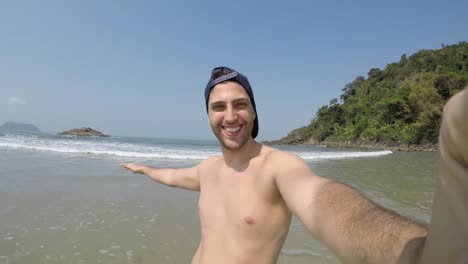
(67, 200)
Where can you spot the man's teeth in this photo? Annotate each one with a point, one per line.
(232, 129)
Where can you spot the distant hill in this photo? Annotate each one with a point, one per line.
(13, 126)
(400, 105)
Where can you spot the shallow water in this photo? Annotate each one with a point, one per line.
(83, 208)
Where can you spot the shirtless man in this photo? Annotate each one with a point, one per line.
(248, 195)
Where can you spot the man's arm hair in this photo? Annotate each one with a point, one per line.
(360, 231)
(185, 178)
(356, 229)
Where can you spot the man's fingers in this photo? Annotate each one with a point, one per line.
(132, 167)
(128, 166)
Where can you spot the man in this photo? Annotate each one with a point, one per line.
(248, 194)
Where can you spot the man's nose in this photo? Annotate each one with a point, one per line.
(231, 114)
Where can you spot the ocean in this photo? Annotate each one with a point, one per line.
(66, 199)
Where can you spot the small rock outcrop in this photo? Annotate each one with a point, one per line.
(83, 132)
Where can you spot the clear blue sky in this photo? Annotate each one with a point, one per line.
(139, 68)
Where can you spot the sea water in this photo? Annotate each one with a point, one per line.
(66, 199)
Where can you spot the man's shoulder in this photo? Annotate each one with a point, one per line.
(211, 161)
(277, 155)
(285, 165)
(282, 160)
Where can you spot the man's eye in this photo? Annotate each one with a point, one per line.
(217, 107)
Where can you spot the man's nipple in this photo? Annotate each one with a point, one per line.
(249, 220)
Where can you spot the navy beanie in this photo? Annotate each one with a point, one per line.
(239, 78)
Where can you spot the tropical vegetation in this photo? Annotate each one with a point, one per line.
(401, 103)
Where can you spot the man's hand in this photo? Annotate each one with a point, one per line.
(133, 168)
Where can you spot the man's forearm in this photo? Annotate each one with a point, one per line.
(186, 178)
(161, 175)
(158, 174)
(360, 231)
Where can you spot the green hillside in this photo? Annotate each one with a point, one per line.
(402, 103)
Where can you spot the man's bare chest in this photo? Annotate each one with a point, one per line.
(247, 202)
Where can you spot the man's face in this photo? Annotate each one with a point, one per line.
(231, 114)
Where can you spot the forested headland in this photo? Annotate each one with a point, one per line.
(400, 105)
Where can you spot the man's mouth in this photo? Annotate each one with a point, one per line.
(232, 131)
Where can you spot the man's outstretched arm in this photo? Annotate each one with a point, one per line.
(360, 231)
(356, 229)
(185, 178)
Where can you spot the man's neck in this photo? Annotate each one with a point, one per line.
(238, 157)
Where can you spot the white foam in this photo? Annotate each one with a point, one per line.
(129, 253)
(115, 148)
(118, 147)
(103, 251)
(330, 155)
(295, 252)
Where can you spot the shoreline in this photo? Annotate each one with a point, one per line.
(390, 145)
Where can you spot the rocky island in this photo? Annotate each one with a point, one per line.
(83, 132)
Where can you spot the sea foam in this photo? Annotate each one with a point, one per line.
(149, 149)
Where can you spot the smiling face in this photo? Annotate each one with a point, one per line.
(231, 115)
